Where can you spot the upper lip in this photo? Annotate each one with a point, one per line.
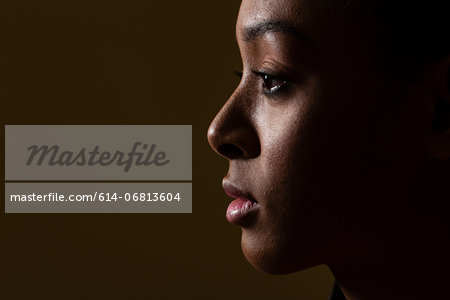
(235, 192)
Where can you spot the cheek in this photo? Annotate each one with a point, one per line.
(295, 186)
(291, 187)
(282, 172)
(290, 220)
(279, 158)
(280, 126)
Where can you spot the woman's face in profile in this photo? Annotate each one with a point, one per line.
(311, 137)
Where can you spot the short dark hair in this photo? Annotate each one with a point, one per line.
(410, 33)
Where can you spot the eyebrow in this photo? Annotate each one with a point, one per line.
(253, 32)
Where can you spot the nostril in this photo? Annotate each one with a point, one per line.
(230, 151)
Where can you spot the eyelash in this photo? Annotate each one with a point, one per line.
(266, 78)
(270, 78)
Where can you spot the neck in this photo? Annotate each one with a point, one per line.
(411, 261)
(417, 271)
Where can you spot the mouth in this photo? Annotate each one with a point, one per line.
(243, 210)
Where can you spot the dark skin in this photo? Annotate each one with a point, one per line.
(343, 174)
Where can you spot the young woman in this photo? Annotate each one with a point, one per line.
(338, 141)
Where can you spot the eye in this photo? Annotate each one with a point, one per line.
(271, 83)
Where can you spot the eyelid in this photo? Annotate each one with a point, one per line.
(258, 73)
(270, 74)
(263, 73)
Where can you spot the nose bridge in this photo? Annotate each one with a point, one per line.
(232, 133)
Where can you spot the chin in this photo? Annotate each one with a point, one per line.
(270, 255)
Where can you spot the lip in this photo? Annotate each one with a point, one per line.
(243, 210)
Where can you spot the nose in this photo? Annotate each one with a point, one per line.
(232, 133)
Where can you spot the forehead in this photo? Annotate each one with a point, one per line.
(327, 24)
(295, 11)
(256, 11)
(312, 17)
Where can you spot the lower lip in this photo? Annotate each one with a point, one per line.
(241, 211)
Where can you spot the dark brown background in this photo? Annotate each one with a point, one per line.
(129, 62)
